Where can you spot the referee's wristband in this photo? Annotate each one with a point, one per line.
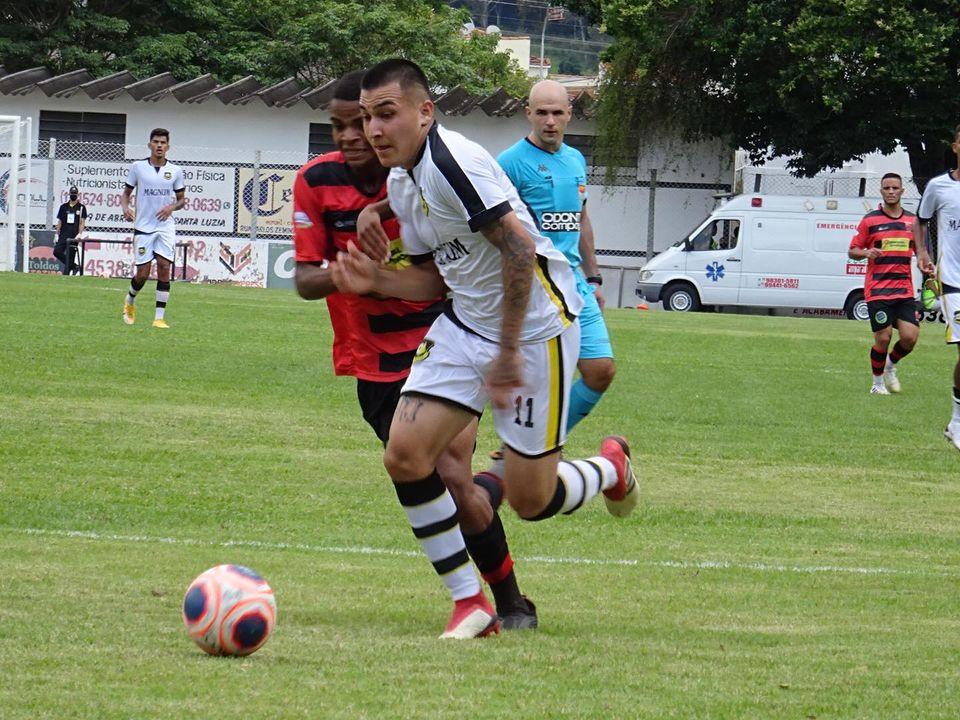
(595, 280)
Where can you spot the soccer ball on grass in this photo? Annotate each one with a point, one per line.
(229, 610)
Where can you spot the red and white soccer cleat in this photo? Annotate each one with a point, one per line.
(472, 617)
(622, 498)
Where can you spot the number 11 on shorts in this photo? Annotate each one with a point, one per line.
(518, 404)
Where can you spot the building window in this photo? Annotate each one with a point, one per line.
(321, 139)
(90, 127)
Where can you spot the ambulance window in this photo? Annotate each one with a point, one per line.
(721, 234)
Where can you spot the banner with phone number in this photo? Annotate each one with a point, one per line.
(209, 193)
(209, 260)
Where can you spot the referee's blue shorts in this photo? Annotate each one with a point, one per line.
(594, 338)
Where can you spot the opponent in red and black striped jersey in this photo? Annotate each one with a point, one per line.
(888, 275)
(374, 338)
(375, 341)
(885, 237)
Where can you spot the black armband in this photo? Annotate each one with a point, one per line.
(595, 280)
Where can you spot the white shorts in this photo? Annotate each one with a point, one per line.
(451, 364)
(950, 304)
(146, 246)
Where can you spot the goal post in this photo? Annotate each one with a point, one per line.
(15, 173)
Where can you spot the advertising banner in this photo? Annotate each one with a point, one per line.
(280, 265)
(41, 252)
(273, 200)
(209, 191)
(210, 260)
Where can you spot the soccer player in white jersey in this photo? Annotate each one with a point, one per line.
(508, 335)
(160, 191)
(942, 198)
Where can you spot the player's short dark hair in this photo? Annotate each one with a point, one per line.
(348, 87)
(160, 132)
(891, 175)
(956, 134)
(406, 73)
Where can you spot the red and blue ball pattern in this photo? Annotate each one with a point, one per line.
(229, 610)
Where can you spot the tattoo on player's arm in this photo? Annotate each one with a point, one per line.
(407, 409)
(518, 259)
(181, 201)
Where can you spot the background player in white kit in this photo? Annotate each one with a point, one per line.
(508, 336)
(942, 198)
(160, 191)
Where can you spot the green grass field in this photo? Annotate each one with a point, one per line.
(796, 555)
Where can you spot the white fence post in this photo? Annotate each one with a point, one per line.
(51, 197)
(28, 200)
(13, 185)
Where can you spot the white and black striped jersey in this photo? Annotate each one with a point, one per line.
(156, 186)
(942, 198)
(456, 189)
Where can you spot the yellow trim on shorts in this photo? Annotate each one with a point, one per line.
(556, 402)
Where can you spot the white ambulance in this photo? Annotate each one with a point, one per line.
(767, 251)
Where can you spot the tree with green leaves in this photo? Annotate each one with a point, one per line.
(824, 81)
(312, 40)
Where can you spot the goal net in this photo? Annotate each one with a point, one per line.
(15, 181)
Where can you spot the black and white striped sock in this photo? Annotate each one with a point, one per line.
(433, 516)
(163, 295)
(135, 286)
(577, 482)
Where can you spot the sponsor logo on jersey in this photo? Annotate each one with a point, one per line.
(167, 175)
(895, 243)
(560, 222)
(302, 220)
(449, 252)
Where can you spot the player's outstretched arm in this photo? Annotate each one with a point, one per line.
(354, 272)
(518, 259)
(588, 254)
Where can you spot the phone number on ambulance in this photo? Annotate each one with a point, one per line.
(775, 282)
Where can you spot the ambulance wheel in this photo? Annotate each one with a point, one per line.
(856, 307)
(681, 298)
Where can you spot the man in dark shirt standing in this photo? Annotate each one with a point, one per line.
(71, 218)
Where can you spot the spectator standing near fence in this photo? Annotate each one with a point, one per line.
(885, 237)
(942, 198)
(71, 219)
(160, 191)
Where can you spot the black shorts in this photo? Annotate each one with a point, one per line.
(883, 313)
(378, 402)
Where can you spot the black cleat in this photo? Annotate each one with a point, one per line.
(521, 618)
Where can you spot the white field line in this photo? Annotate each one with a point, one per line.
(388, 552)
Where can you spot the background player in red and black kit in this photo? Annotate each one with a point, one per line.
(375, 338)
(886, 238)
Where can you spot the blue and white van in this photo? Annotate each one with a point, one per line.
(767, 251)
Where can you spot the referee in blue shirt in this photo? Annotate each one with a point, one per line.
(552, 180)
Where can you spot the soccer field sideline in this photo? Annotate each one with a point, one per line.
(544, 559)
